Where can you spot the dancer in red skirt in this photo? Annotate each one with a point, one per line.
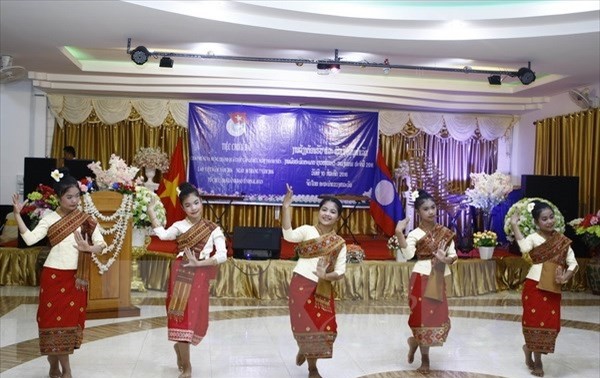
(322, 259)
(553, 265)
(73, 237)
(434, 246)
(188, 292)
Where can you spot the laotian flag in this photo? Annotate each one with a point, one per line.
(386, 208)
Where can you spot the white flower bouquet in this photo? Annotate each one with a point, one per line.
(150, 157)
(141, 201)
(488, 190)
(526, 223)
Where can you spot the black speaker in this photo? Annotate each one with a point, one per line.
(79, 168)
(563, 191)
(256, 243)
(37, 171)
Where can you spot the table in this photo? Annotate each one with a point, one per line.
(346, 219)
(211, 199)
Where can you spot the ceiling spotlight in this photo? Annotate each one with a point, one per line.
(386, 70)
(526, 75)
(299, 64)
(327, 68)
(495, 80)
(166, 62)
(140, 55)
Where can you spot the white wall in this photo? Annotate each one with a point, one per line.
(22, 132)
(523, 145)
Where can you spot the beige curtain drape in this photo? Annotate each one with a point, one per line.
(569, 145)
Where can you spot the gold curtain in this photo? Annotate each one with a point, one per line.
(95, 140)
(569, 145)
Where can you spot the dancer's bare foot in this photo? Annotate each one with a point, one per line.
(314, 373)
(179, 362)
(424, 368)
(54, 367)
(412, 348)
(300, 359)
(66, 375)
(538, 369)
(528, 359)
(186, 373)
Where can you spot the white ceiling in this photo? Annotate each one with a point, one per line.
(80, 47)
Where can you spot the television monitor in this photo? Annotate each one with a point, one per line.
(78, 168)
(37, 171)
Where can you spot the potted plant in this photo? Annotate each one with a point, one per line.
(588, 228)
(485, 242)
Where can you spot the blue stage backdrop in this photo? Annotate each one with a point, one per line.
(254, 151)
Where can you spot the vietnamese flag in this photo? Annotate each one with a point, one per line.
(386, 208)
(167, 190)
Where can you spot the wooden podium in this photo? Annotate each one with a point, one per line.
(109, 294)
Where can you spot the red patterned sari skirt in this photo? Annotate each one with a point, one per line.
(314, 329)
(541, 317)
(192, 328)
(428, 320)
(61, 312)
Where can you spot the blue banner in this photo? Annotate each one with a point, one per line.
(254, 151)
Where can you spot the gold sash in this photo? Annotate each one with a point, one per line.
(329, 246)
(195, 238)
(426, 248)
(65, 227)
(551, 254)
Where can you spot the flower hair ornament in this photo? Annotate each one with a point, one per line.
(414, 195)
(178, 191)
(530, 206)
(56, 175)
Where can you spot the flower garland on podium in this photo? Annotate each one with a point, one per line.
(121, 178)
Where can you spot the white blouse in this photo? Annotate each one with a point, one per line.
(424, 266)
(64, 255)
(534, 240)
(216, 240)
(306, 266)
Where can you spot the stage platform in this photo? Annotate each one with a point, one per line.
(269, 279)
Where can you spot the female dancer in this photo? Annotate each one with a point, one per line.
(550, 253)
(322, 259)
(188, 293)
(73, 237)
(434, 246)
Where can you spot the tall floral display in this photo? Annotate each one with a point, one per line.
(121, 178)
(488, 191)
(588, 228)
(151, 159)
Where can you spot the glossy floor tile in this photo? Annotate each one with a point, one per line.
(252, 338)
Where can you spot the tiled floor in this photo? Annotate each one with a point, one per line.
(252, 338)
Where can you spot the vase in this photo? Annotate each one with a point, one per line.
(399, 256)
(150, 172)
(486, 253)
(138, 237)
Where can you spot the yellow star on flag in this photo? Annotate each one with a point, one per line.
(171, 190)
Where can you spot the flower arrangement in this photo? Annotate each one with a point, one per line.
(589, 229)
(488, 190)
(393, 245)
(485, 239)
(119, 176)
(526, 223)
(151, 157)
(141, 200)
(403, 169)
(38, 202)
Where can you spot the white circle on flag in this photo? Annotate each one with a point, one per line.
(384, 192)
